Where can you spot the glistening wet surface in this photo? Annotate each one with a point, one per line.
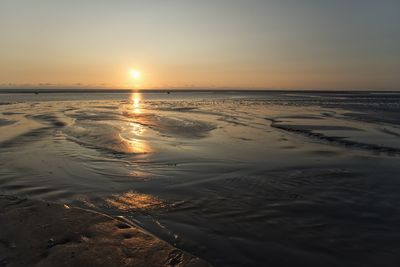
(237, 178)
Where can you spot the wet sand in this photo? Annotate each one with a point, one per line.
(35, 233)
(237, 179)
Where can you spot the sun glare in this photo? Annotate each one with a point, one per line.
(135, 74)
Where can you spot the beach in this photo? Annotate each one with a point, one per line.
(235, 178)
(36, 233)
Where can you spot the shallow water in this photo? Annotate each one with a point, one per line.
(238, 178)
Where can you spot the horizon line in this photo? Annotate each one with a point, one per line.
(127, 90)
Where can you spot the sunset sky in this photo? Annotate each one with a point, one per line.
(254, 44)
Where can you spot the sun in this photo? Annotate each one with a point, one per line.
(135, 74)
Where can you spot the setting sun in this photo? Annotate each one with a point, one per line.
(135, 74)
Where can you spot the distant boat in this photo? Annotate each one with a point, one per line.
(168, 92)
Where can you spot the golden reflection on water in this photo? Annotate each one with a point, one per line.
(139, 146)
(136, 133)
(136, 102)
(131, 201)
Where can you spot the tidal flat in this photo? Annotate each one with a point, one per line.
(235, 178)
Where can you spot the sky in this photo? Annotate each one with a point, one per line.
(244, 44)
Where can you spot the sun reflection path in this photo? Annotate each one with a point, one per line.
(139, 146)
(135, 133)
(136, 102)
(131, 201)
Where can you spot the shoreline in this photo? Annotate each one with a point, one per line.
(37, 233)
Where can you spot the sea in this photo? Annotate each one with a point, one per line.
(238, 178)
